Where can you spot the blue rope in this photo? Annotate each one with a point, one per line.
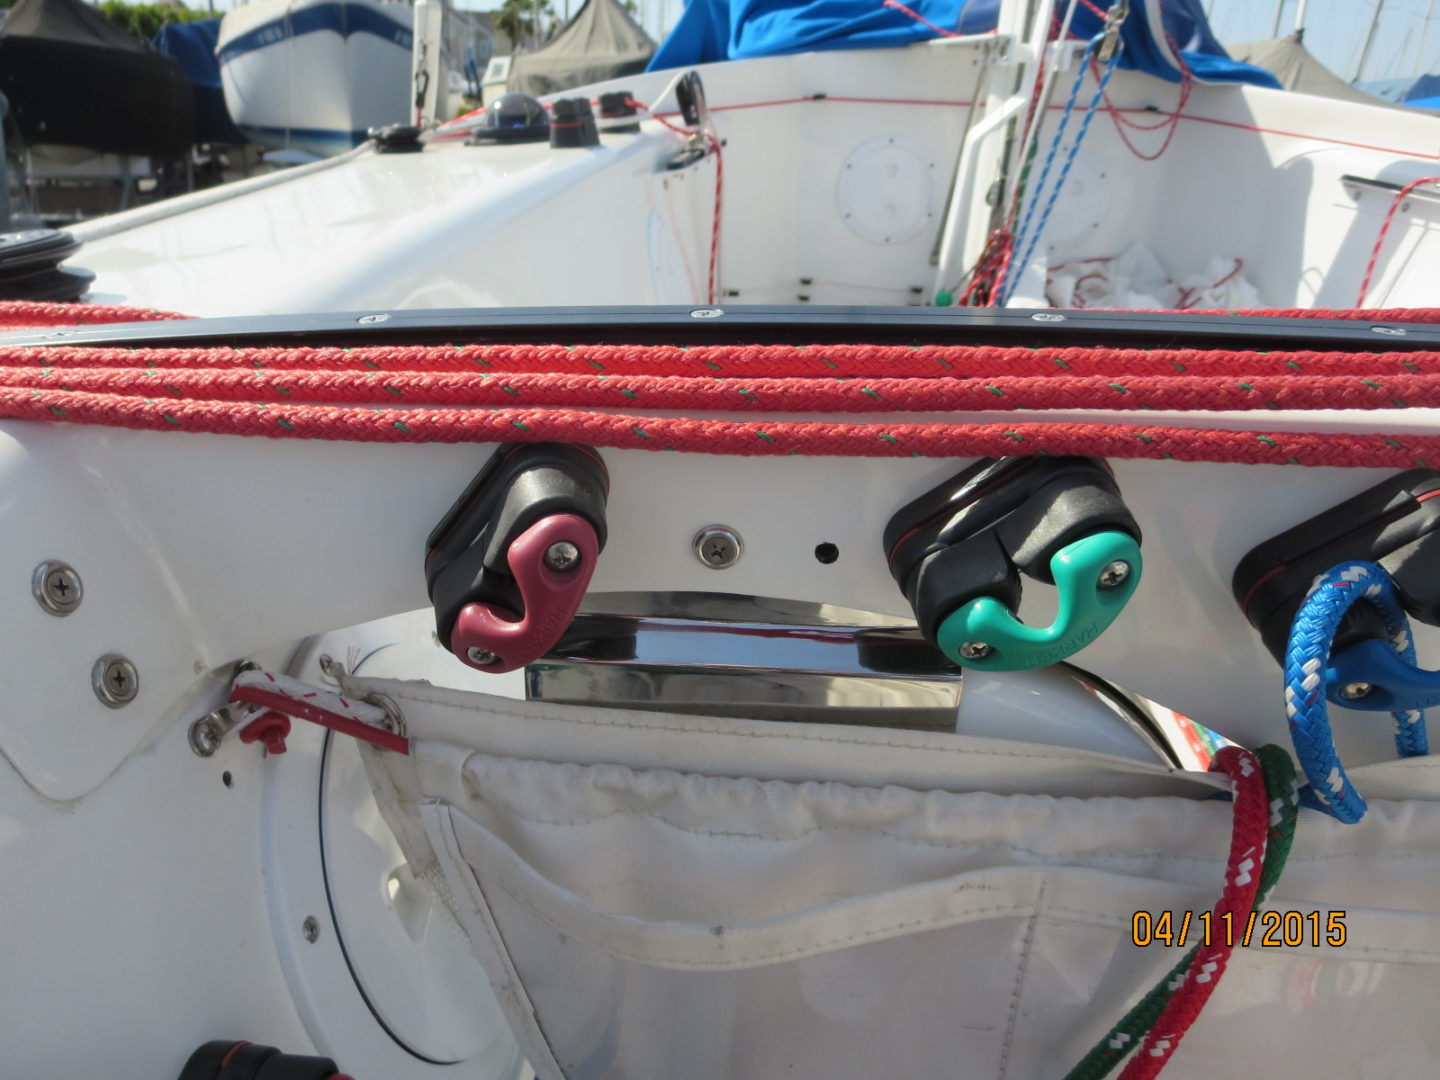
(1032, 238)
(1306, 658)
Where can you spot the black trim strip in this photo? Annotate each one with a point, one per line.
(800, 325)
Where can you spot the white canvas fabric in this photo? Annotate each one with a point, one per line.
(659, 896)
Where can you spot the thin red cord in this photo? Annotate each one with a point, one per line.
(920, 18)
(1385, 229)
(715, 147)
(1187, 87)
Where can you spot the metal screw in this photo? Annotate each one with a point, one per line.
(1114, 574)
(706, 313)
(115, 680)
(477, 655)
(1355, 690)
(562, 555)
(1393, 331)
(1047, 316)
(311, 929)
(365, 319)
(57, 587)
(718, 546)
(974, 650)
(206, 736)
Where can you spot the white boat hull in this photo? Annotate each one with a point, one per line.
(314, 75)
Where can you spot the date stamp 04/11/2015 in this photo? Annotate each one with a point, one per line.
(1272, 929)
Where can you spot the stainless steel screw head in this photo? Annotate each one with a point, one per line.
(1355, 691)
(57, 587)
(974, 650)
(1114, 574)
(718, 546)
(311, 929)
(477, 655)
(562, 555)
(205, 736)
(114, 680)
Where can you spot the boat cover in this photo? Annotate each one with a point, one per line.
(193, 45)
(69, 20)
(656, 896)
(75, 79)
(1423, 88)
(711, 30)
(601, 42)
(1297, 69)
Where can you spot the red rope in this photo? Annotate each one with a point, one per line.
(1385, 229)
(817, 363)
(1232, 913)
(1171, 391)
(24, 314)
(730, 437)
(615, 395)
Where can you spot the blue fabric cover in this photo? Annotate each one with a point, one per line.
(193, 45)
(1424, 103)
(711, 30)
(1427, 86)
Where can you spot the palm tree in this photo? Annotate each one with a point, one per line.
(522, 21)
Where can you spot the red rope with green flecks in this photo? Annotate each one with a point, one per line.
(1136, 1028)
(624, 396)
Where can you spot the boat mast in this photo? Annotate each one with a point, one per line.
(1424, 33)
(1369, 39)
(1300, 17)
(1275, 24)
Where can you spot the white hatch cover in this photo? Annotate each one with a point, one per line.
(885, 189)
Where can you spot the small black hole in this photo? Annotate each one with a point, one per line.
(227, 779)
(827, 553)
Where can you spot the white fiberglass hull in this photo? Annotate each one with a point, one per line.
(315, 75)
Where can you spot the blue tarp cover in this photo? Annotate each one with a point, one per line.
(1427, 86)
(711, 30)
(193, 45)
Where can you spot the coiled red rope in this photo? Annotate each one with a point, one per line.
(627, 396)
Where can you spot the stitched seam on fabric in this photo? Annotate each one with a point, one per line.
(1021, 967)
(420, 698)
(530, 1018)
(814, 948)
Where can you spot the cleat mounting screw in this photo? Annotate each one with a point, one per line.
(562, 555)
(1114, 574)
